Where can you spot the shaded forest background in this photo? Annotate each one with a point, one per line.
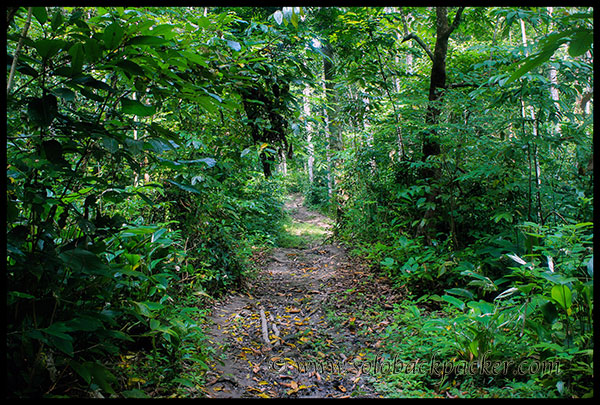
(149, 151)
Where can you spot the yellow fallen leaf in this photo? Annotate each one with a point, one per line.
(133, 380)
(294, 387)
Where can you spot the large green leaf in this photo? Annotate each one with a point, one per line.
(131, 67)
(57, 336)
(64, 93)
(454, 301)
(93, 372)
(113, 35)
(581, 43)
(40, 14)
(77, 54)
(92, 50)
(208, 103)
(47, 48)
(42, 111)
(147, 40)
(57, 20)
(136, 108)
(184, 187)
(84, 261)
(84, 323)
(562, 295)
(147, 308)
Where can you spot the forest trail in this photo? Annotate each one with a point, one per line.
(307, 302)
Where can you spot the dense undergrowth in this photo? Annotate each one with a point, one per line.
(522, 297)
(147, 153)
(493, 287)
(137, 329)
(124, 217)
(491, 229)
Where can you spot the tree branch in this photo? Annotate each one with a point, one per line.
(463, 84)
(404, 22)
(16, 55)
(456, 20)
(419, 41)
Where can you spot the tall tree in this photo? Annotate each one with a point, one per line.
(437, 84)
(309, 133)
(329, 114)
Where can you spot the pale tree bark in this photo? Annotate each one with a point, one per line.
(13, 66)
(136, 177)
(282, 166)
(309, 133)
(409, 56)
(331, 117)
(553, 76)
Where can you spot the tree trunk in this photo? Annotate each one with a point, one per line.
(331, 124)
(16, 55)
(534, 131)
(311, 148)
(554, 79)
(431, 146)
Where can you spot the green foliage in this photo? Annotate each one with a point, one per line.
(542, 308)
(129, 201)
(147, 153)
(510, 182)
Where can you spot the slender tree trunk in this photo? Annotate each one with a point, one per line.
(409, 55)
(331, 124)
(534, 131)
(554, 78)
(17, 51)
(310, 146)
(369, 134)
(136, 177)
(282, 166)
(387, 91)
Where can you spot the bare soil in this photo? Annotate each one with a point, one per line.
(293, 331)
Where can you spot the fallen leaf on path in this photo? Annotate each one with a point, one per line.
(294, 387)
(259, 393)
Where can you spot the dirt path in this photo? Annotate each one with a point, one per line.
(292, 333)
